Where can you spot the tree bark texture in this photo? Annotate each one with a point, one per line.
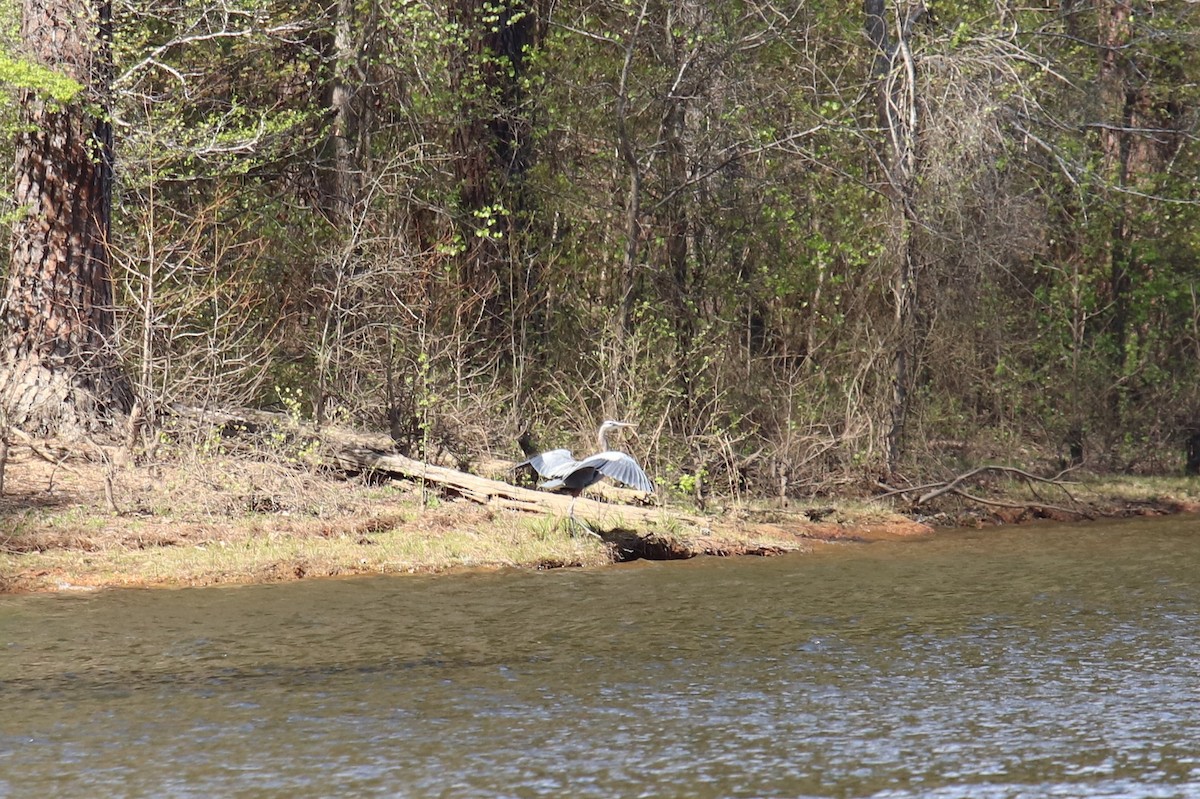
(59, 371)
(350, 100)
(893, 71)
(1119, 97)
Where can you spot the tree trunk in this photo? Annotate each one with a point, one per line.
(673, 215)
(60, 372)
(493, 141)
(627, 150)
(1114, 26)
(892, 69)
(350, 130)
(1140, 131)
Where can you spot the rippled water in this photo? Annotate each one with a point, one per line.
(1035, 662)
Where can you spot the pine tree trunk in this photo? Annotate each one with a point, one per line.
(59, 372)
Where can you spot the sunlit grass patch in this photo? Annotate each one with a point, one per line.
(226, 520)
(1142, 489)
(289, 554)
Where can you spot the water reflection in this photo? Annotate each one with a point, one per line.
(1037, 662)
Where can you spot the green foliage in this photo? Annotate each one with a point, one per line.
(494, 272)
(21, 74)
(689, 483)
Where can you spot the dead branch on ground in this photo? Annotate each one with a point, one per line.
(927, 492)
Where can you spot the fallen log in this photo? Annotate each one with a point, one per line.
(359, 452)
(498, 494)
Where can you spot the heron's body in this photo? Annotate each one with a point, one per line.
(563, 473)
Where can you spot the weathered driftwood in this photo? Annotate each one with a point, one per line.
(358, 452)
(496, 493)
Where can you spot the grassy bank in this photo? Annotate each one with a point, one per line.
(230, 520)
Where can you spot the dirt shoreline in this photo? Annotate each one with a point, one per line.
(230, 521)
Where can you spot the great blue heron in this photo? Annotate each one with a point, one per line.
(563, 473)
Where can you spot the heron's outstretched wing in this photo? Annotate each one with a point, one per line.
(555, 463)
(620, 467)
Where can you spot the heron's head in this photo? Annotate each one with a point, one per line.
(609, 426)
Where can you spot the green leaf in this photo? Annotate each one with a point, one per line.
(19, 73)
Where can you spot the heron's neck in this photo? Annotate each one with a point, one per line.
(603, 440)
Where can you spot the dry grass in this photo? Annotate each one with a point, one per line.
(1171, 494)
(204, 520)
(1102, 496)
(283, 556)
(233, 520)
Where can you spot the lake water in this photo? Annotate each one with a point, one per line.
(1028, 662)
